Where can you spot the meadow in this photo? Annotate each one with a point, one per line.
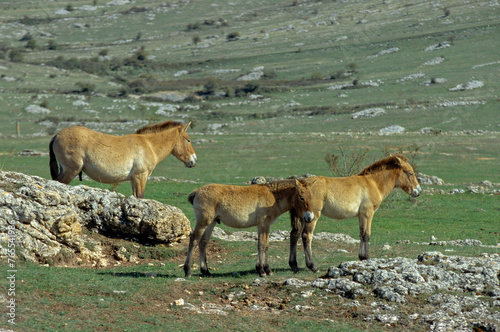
(115, 66)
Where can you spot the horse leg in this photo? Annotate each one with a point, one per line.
(262, 265)
(365, 229)
(194, 238)
(297, 227)
(139, 184)
(307, 235)
(205, 238)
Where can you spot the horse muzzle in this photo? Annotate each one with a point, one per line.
(192, 161)
(416, 191)
(308, 216)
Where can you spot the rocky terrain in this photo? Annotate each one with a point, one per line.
(435, 291)
(45, 218)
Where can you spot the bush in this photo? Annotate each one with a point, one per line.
(233, 36)
(211, 86)
(193, 26)
(31, 44)
(51, 45)
(138, 58)
(316, 76)
(85, 87)
(27, 36)
(346, 165)
(15, 55)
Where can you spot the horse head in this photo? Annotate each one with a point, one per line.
(183, 149)
(302, 201)
(407, 179)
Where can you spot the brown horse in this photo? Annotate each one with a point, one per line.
(114, 159)
(242, 207)
(353, 196)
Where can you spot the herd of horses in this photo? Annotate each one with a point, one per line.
(114, 159)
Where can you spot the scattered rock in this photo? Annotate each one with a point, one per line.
(429, 179)
(368, 113)
(35, 109)
(278, 235)
(438, 46)
(468, 86)
(255, 74)
(396, 129)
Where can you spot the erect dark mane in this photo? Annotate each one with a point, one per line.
(280, 184)
(154, 128)
(390, 162)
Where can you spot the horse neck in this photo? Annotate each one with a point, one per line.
(283, 195)
(163, 142)
(386, 181)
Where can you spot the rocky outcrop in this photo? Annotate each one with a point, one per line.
(44, 218)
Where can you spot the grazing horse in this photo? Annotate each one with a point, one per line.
(242, 207)
(114, 159)
(358, 195)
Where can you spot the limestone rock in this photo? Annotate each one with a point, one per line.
(46, 217)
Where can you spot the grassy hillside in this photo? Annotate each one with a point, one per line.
(271, 88)
(97, 63)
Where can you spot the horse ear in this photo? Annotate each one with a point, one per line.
(398, 160)
(185, 127)
(312, 184)
(297, 183)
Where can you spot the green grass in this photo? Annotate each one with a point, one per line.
(286, 132)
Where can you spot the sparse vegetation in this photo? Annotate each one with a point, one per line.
(99, 67)
(232, 36)
(345, 164)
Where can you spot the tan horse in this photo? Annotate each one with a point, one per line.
(114, 159)
(353, 196)
(242, 207)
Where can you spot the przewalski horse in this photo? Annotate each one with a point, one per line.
(358, 195)
(114, 159)
(242, 207)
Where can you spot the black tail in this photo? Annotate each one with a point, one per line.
(191, 196)
(54, 166)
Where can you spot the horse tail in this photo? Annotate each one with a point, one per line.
(54, 165)
(191, 196)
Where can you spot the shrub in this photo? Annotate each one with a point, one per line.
(211, 86)
(247, 88)
(338, 75)
(352, 66)
(31, 44)
(27, 36)
(196, 39)
(15, 55)
(138, 58)
(45, 103)
(193, 26)
(344, 164)
(85, 87)
(316, 76)
(51, 45)
(233, 36)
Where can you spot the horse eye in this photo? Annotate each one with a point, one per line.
(410, 174)
(301, 198)
(188, 140)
